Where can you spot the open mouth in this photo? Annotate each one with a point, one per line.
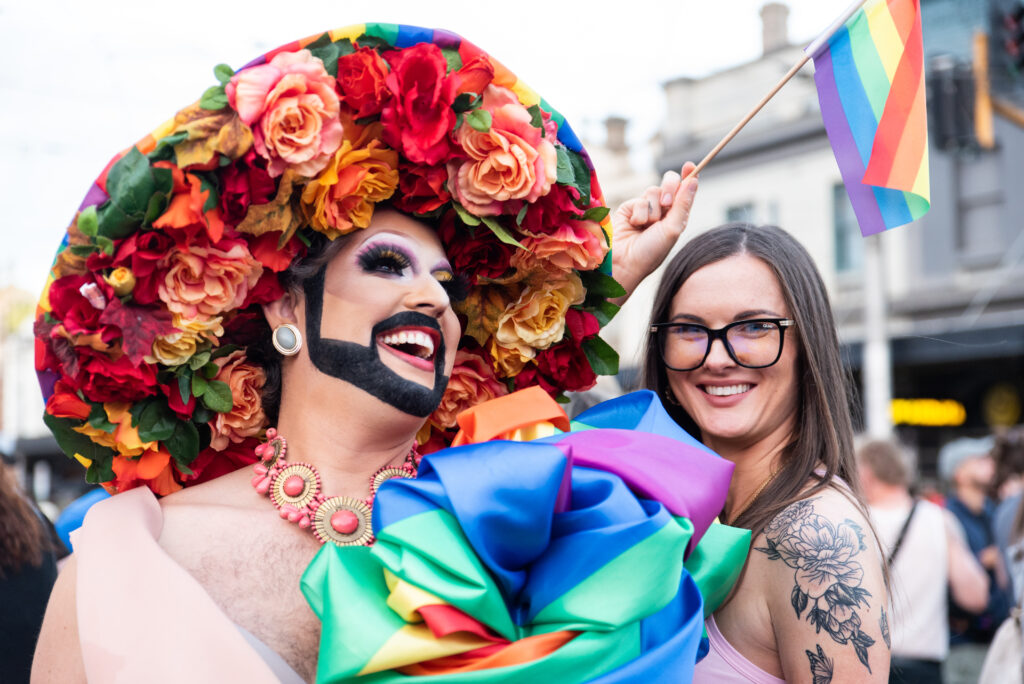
(414, 344)
(726, 390)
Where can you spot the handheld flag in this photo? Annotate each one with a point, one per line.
(870, 80)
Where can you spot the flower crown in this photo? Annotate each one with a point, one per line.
(155, 292)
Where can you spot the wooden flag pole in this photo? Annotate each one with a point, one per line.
(809, 52)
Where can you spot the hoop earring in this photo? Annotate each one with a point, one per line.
(671, 398)
(287, 339)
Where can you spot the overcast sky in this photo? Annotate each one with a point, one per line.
(84, 79)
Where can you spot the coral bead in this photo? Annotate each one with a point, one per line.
(344, 522)
(294, 485)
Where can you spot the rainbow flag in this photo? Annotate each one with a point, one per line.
(588, 556)
(870, 79)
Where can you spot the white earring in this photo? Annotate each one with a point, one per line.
(287, 339)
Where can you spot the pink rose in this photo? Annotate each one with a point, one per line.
(579, 245)
(246, 417)
(208, 281)
(292, 108)
(511, 161)
(472, 382)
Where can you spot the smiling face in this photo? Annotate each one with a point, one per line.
(379, 315)
(736, 407)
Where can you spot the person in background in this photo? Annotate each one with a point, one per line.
(28, 569)
(1008, 455)
(925, 551)
(967, 465)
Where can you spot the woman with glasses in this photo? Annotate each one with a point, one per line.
(742, 349)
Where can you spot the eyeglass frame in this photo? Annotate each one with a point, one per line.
(720, 334)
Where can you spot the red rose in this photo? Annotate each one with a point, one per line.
(361, 77)
(268, 289)
(482, 255)
(474, 76)
(581, 325)
(419, 118)
(565, 365)
(245, 182)
(173, 394)
(264, 249)
(421, 189)
(104, 379)
(141, 253)
(80, 314)
(64, 402)
(210, 463)
(530, 376)
(551, 211)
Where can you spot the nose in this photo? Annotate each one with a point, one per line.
(718, 356)
(427, 295)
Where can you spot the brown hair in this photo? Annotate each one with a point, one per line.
(23, 540)
(824, 431)
(885, 461)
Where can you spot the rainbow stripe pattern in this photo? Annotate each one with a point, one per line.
(870, 80)
(587, 556)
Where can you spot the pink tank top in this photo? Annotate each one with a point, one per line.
(724, 663)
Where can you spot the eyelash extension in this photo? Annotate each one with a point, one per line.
(384, 258)
(456, 285)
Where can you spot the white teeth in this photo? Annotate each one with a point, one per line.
(414, 337)
(726, 391)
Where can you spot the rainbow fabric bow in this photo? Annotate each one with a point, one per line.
(560, 559)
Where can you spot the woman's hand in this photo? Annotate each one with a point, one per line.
(646, 228)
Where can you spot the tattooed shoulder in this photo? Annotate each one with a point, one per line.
(827, 577)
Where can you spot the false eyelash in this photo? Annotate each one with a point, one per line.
(457, 287)
(384, 258)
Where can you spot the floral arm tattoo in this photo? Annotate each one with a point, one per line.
(827, 587)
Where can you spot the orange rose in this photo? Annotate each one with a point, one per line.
(362, 173)
(207, 281)
(472, 382)
(537, 319)
(246, 417)
(510, 161)
(292, 107)
(579, 245)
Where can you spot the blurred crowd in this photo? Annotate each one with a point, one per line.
(956, 561)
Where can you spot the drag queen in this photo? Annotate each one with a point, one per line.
(283, 298)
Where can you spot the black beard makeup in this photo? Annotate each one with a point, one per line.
(362, 367)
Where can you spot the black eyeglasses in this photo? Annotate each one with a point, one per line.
(755, 343)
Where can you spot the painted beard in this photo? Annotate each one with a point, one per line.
(362, 367)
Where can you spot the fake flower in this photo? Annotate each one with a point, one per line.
(208, 280)
(245, 419)
(418, 119)
(472, 382)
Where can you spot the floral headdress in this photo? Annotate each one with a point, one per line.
(155, 292)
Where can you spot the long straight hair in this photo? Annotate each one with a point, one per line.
(823, 435)
(22, 536)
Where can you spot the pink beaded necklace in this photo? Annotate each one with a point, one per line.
(294, 488)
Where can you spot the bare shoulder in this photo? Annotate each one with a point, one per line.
(825, 591)
(58, 657)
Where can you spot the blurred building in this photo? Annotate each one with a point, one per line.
(953, 281)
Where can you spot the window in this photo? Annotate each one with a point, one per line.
(740, 212)
(849, 253)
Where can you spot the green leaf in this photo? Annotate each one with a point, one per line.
(105, 244)
(466, 217)
(185, 387)
(199, 360)
(87, 223)
(328, 54)
(156, 421)
(601, 286)
(183, 445)
(465, 102)
(212, 199)
(596, 214)
(604, 311)
(202, 415)
(218, 397)
(564, 168)
(223, 73)
(500, 232)
(536, 118)
(199, 385)
(603, 359)
(375, 42)
(454, 59)
(130, 184)
(98, 419)
(522, 214)
(82, 250)
(214, 98)
(210, 370)
(71, 442)
(114, 222)
(562, 399)
(100, 471)
(223, 350)
(479, 119)
(164, 150)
